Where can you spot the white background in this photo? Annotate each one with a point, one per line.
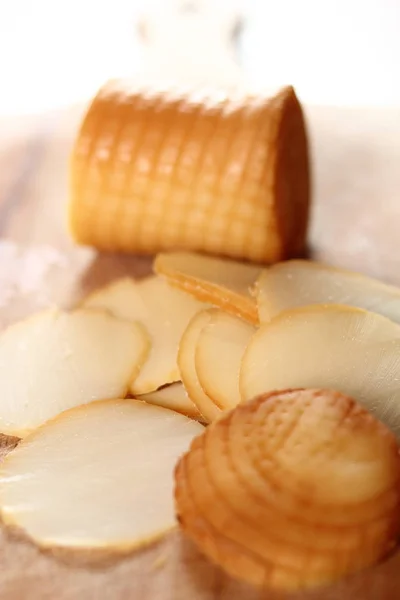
(344, 52)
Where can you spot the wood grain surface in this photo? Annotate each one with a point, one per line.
(355, 224)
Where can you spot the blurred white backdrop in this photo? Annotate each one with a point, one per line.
(333, 51)
(342, 52)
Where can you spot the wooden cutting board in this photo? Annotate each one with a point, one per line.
(356, 224)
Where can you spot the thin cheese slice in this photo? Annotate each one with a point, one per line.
(174, 397)
(219, 351)
(332, 347)
(296, 283)
(55, 360)
(187, 367)
(97, 477)
(224, 283)
(163, 310)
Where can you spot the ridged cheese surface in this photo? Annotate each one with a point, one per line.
(156, 170)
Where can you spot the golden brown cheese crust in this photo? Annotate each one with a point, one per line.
(292, 490)
(162, 170)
